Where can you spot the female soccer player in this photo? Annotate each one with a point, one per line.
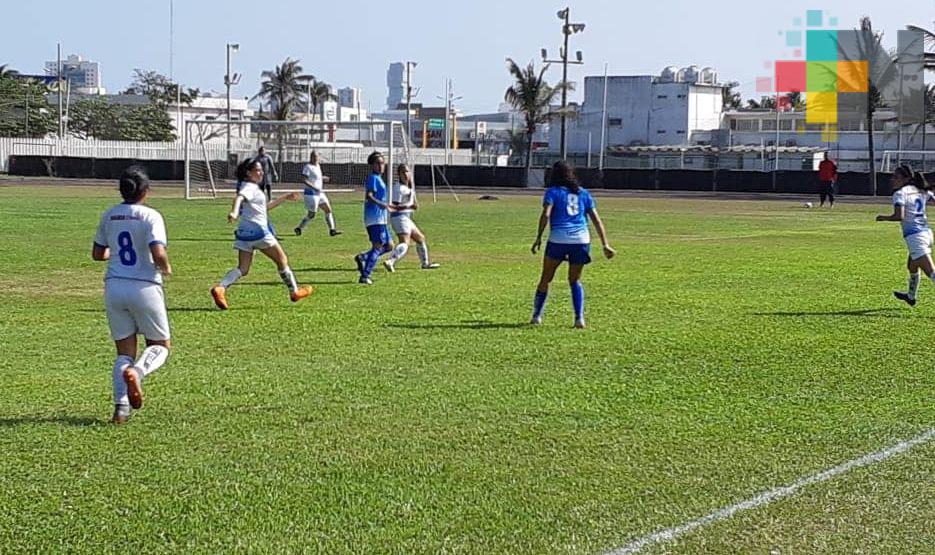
(315, 196)
(403, 198)
(375, 210)
(254, 233)
(133, 296)
(564, 207)
(910, 195)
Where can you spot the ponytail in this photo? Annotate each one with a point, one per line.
(919, 181)
(563, 175)
(133, 184)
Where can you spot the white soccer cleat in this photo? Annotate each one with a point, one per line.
(536, 320)
(579, 324)
(431, 266)
(390, 265)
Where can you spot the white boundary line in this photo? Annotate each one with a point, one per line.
(772, 495)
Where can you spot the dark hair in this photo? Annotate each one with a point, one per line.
(563, 175)
(916, 179)
(373, 157)
(244, 168)
(261, 148)
(401, 167)
(133, 184)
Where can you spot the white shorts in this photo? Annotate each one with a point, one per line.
(919, 244)
(313, 201)
(134, 307)
(402, 224)
(249, 246)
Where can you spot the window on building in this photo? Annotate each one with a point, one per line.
(785, 125)
(615, 122)
(660, 131)
(768, 125)
(680, 132)
(682, 96)
(745, 124)
(662, 96)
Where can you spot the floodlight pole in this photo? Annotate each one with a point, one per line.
(568, 28)
(409, 66)
(60, 112)
(228, 81)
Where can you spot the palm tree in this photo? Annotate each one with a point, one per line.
(532, 96)
(282, 88)
(7, 71)
(317, 93)
(730, 98)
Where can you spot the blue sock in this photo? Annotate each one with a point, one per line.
(370, 261)
(577, 299)
(538, 305)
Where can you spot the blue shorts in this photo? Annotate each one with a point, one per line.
(378, 234)
(574, 254)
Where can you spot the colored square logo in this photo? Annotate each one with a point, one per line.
(822, 77)
(821, 46)
(853, 77)
(790, 76)
(793, 38)
(814, 18)
(822, 107)
(764, 85)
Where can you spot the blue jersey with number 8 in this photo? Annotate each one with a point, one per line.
(129, 230)
(568, 223)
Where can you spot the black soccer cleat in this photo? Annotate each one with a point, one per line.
(359, 260)
(334, 232)
(298, 231)
(904, 297)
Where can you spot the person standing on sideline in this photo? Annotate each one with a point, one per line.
(132, 239)
(251, 212)
(269, 171)
(376, 206)
(315, 196)
(566, 208)
(403, 198)
(828, 178)
(911, 194)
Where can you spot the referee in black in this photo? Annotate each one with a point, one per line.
(269, 171)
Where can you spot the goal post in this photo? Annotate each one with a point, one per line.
(343, 148)
(920, 160)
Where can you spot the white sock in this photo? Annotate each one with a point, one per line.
(399, 252)
(289, 279)
(152, 358)
(914, 284)
(329, 217)
(423, 250)
(231, 277)
(120, 387)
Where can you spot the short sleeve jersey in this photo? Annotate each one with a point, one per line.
(373, 213)
(402, 195)
(312, 172)
(568, 222)
(253, 224)
(129, 230)
(913, 201)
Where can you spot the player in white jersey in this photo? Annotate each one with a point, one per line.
(132, 239)
(254, 233)
(911, 195)
(315, 196)
(403, 198)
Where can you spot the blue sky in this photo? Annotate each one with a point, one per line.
(352, 42)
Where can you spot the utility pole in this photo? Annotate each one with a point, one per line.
(449, 98)
(409, 66)
(568, 29)
(230, 80)
(60, 112)
(600, 159)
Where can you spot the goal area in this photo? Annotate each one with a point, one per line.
(919, 160)
(342, 147)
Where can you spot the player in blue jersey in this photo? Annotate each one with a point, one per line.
(132, 239)
(376, 206)
(911, 194)
(565, 208)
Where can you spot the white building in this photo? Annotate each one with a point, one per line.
(83, 76)
(207, 109)
(663, 109)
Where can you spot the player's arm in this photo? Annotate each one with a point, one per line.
(372, 198)
(282, 199)
(896, 216)
(543, 221)
(609, 252)
(161, 258)
(100, 253)
(235, 208)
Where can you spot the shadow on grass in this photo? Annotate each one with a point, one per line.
(203, 239)
(77, 421)
(301, 282)
(464, 325)
(867, 312)
(348, 269)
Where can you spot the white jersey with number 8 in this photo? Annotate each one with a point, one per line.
(129, 230)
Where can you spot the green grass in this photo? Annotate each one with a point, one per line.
(733, 347)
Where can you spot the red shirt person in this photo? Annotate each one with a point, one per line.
(828, 176)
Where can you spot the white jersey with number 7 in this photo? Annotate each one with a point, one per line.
(129, 230)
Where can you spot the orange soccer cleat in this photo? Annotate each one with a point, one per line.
(300, 293)
(134, 387)
(220, 297)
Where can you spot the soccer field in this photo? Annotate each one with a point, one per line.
(734, 347)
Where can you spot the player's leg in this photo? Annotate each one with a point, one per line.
(823, 195)
(311, 207)
(422, 247)
(277, 255)
(244, 261)
(123, 332)
(126, 351)
(831, 195)
(402, 247)
(152, 320)
(549, 265)
(380, 243)
(329, 216)
(577, 292)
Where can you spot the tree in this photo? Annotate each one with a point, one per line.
(765, 102)
(532, 96)
(24, 107)
(730, 98)
(282, 89)
(318, 94)
(95, 117)
(796, 100)
(7, 71)
(159, 88)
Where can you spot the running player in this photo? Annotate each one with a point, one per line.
(564, 207)
(910, 196)
(375, 209)
(315, 196)
(403, 198)
(136, 237)
(254, 233)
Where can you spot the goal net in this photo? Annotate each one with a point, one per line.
(342, 147)
(919, 160)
